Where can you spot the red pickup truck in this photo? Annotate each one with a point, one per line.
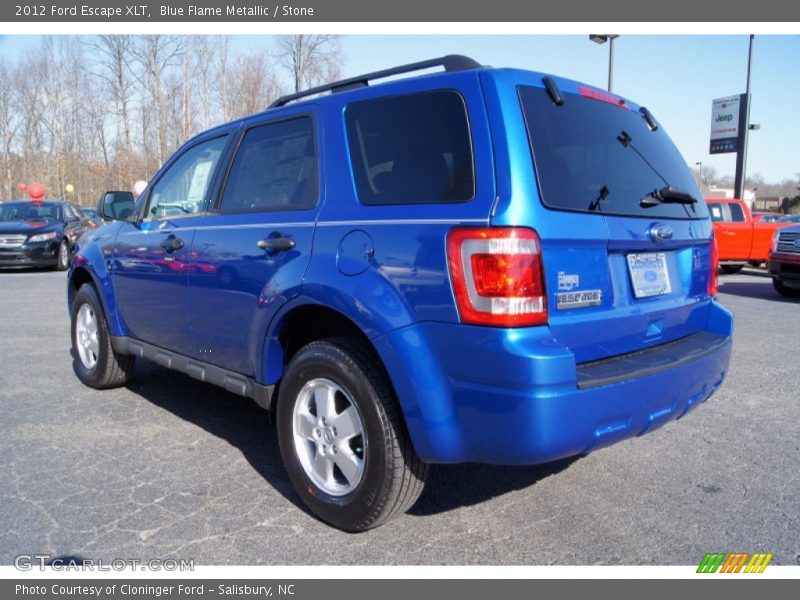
(740, 239)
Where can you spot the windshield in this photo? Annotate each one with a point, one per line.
(28, 211)
(595, 156)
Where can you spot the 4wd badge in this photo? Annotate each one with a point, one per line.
(568, 281)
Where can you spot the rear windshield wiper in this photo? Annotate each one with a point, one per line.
(667, 195)
(664, 195)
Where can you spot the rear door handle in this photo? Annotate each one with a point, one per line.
(279, 243)
(172, 243)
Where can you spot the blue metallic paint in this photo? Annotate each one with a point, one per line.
(467, 392)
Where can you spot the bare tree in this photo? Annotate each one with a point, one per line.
(310, 60)
(156, 55)
(10, 124)
(252, 85)
(100, 112)
(113, 57)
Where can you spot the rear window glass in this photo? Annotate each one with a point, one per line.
(737, 214)
(582, 165)
(275, 169)
(411, 149)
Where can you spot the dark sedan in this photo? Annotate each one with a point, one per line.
(91, 213)
(40, 234)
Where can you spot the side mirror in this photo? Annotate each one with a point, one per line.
(116, 206)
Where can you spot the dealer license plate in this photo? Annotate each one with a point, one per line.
(649, 274)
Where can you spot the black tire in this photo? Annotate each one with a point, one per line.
(393, 475)
(110, 369)
(62, 260)
(784, 290)
(731, 269)
(755, 263)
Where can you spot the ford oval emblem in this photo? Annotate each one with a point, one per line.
(796, 243)
(660, 232)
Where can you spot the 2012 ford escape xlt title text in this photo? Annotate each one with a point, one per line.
(478, 264)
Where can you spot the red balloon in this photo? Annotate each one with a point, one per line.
(36, 191)
(22, 186)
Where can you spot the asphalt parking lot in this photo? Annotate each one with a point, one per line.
(171, 467)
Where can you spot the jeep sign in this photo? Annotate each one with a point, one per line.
(725, 124)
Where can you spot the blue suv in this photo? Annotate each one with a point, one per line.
(476, 264)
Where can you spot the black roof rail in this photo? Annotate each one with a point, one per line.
(451, 62)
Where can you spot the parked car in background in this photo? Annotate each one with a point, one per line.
(740, 239)
(766, 217)
(40, 233)
(789, 219)
(784, 262)
(91, 214)
(473, 265)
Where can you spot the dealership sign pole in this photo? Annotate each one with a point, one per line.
(730, 124)
(744, 130)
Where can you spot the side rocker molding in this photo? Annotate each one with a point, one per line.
(229, 380)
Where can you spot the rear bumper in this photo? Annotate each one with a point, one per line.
(515, 396)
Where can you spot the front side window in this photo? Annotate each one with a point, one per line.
(737, 214)
(275, 169)
(411, 149)
(716, 212)
(185, 187)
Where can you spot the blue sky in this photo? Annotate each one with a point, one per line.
(675, 76)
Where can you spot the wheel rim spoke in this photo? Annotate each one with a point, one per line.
(347, 424)
(349, 464)
(323, 467)
(94, 347)
(324, 397)
(305, 424)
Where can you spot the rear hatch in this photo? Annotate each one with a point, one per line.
(624, 231)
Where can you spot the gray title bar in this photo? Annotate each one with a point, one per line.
(394, 11)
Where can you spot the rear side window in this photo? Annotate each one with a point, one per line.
(737, 214)
(411, 149)
(592, 155)
(275, 169)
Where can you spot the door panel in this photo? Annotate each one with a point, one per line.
(249, 259)
(150, 257)
(150, 281)
(734, 237)
(236, 286)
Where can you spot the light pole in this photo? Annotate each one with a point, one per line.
(598, 38)
(700, 171)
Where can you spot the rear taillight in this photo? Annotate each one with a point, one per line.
(713, 276)
(497, 276)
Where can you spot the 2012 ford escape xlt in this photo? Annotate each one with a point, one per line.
(477, 264)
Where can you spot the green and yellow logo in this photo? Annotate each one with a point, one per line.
(744, 562)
